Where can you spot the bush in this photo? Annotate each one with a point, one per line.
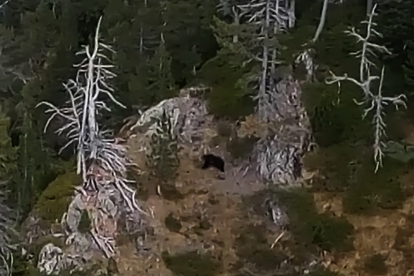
(370, 191)
(191, 264)
(225, 100)
(252, 247)
(241, 148)
(55, 200)
(85, 222)
(163, 159)
(334, 117)
(349, 169)
(224, 129)
(375, 265)
(311, 229)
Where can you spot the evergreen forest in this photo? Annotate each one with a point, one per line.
(360, 110)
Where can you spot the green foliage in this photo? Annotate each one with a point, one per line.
(241, 147)
(191, 263)
(194, 46)
(163, 158)
(375, 265)
(395, 21)
(226, 99)
(36, 168)
(312, 229)
(333, 46)
(349, 168)
(172, 224)
(8, 156)
(368, 191)
(54, 201)
(85, 222)
(253, 247)
(224, 129)
(160, 80)
(400, 152)
(334, 116)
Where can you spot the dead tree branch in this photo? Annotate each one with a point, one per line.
(375, 102)
(100, 159)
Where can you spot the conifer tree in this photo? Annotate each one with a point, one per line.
(160, 80)
(163, 156)
(8, 172)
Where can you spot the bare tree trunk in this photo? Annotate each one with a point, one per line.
(321, 21)
(291, 14)
(263, 81)
(369, 6)
(236, 18)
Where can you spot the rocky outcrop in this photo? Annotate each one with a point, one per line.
(87, 230)
(277, 157)
(187, 113)
(279, 152)
(52, 260)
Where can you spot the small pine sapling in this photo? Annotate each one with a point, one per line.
(163, 156)
(374, 102)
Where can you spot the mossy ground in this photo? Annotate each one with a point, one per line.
(54, 201)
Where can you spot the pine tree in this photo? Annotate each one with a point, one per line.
(188, 36)
(161, 83)
(8, 156)
(8, 174)
(229, 71)
(163, 157)
(396, 23)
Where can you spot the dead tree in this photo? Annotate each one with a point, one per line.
(374, 101)
(101, 160)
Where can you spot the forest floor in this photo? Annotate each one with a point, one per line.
(203, 227)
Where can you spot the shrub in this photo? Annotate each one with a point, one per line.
(54, 201)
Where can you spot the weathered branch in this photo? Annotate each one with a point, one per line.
(321, 21)
(100, 159)
(375, 101)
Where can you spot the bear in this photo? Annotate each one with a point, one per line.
(211, 160)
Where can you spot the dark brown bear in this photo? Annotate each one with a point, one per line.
(211, 160)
